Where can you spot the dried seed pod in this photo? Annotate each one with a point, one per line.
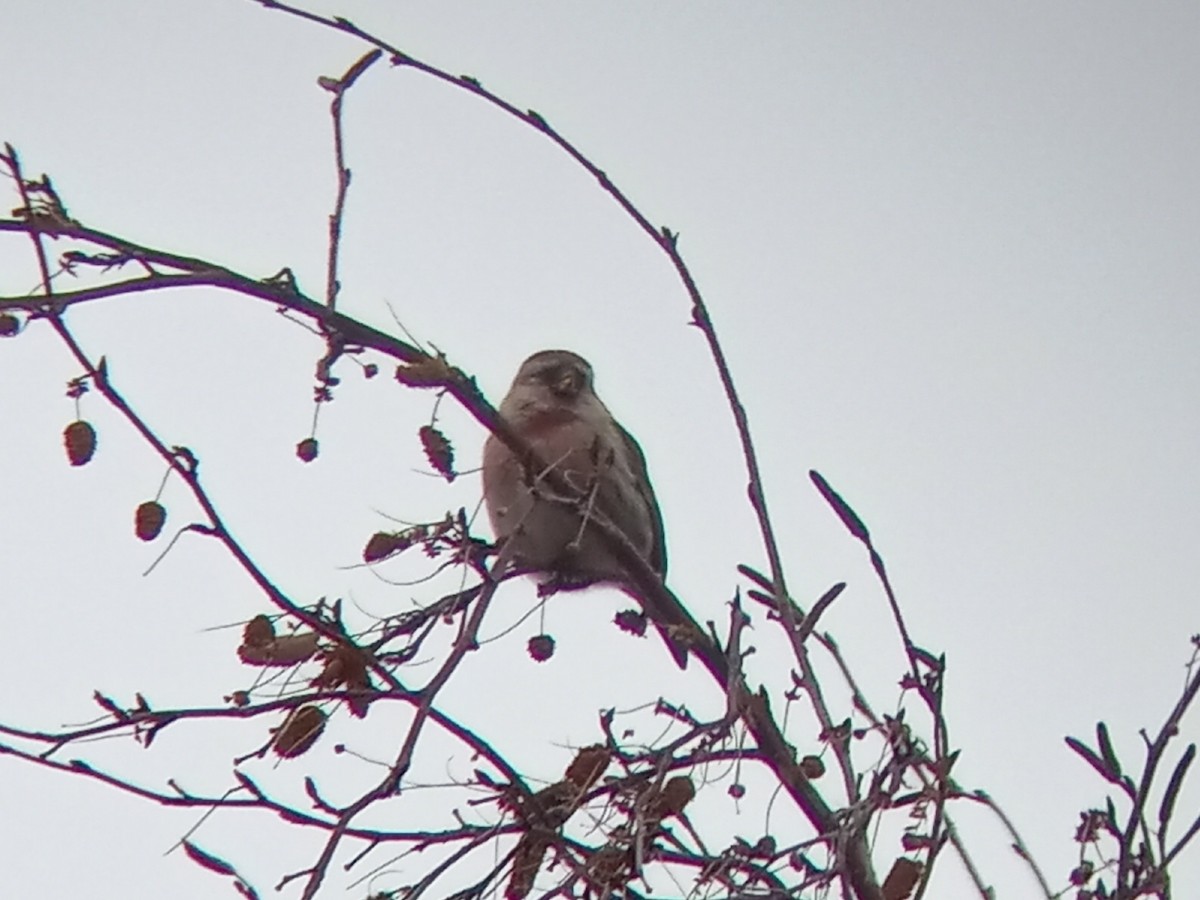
(429, 371)
(286, 650)
(608, 869)
(812, 767)
(632, 621)
(289, 649)
(1080, 875)
(9, 325)
(383, 544)
(901, 879)
(80, 440)
(307, 449)
(149, 519)
(259, 632)
(676, 794)
(588, 765)
(527, 860)
(438, 451)
(541, 647)
(344, 666)
(299, 732)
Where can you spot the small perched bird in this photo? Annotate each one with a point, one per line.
(553, 406)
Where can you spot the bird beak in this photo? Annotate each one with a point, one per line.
(566, 386)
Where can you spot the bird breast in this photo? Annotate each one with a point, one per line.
(550, 534)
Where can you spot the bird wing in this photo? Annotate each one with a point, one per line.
(658, 554)
(637, 461)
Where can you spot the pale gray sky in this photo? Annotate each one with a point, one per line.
(952, 252)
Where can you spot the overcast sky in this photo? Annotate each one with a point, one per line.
(951, 250)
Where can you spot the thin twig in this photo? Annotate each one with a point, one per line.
(1154, 754)
(35, 233)
(339, 87)
(465, 642)
(1017, 841)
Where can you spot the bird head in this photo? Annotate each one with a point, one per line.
(553, 378)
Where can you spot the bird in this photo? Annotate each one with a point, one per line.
(553, 406)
